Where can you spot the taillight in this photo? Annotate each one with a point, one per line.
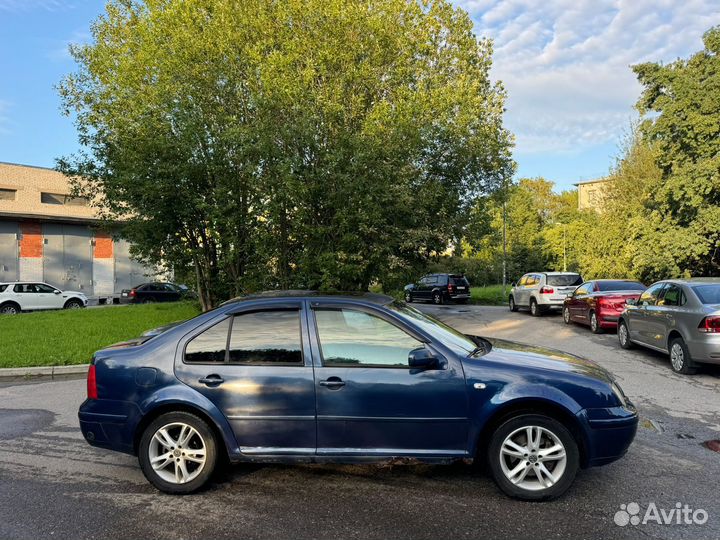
(92, 392)
(547, 290)
(451, 287)
(132, 292)
(710, 324)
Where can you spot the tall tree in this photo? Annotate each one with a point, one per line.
(293, 143)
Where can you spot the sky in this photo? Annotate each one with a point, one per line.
(565, 65)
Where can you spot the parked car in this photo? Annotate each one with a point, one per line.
(324, 378)
(438, 289)
(679, 317)
(543, 291)
(155, 292)
(599, 303)
(17, 296)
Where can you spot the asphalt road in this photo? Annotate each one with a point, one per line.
(52, 484)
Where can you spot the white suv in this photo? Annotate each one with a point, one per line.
(542, 291)
(20, 296)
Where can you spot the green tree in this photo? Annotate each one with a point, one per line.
(302, 143)
(682, 104)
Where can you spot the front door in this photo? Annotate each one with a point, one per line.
(369, 402)
(641, 326)
(256, 368)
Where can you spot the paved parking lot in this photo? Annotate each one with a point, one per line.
(53, 484)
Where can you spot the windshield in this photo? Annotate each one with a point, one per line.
(447, 335)
(708, 294)
(621, 286)
(565, 280)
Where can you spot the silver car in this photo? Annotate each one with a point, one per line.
(680, 317)
(543, 291)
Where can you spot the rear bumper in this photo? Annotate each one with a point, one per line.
(109, 424)
(609, 431)
(705, 348)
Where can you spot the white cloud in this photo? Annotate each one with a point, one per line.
(566, 63)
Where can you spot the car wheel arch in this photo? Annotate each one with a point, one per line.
(183, 406)
(673, 334)
(73, 299)
(10, 303)
(521, 406)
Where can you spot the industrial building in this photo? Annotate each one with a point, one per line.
(48, 235)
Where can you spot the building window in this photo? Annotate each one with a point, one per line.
(7, 194)
(67, 200)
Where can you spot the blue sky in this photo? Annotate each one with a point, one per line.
(564, 63)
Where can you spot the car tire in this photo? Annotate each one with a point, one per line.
(680, 359)
(535, 310)
(408, 297)
(9, 308)
(566, 315)
(624, 335)
(73, 304)
(530, 475)
(148, 301)
(180, 472)
(595, 324)
(512, 304)
(438, 298)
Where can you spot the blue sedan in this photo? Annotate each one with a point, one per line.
(324, 378)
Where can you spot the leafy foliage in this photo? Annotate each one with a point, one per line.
(302, 143)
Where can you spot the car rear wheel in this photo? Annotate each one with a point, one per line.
(534, 308)
(680, 359)
(595, 324)
(624, 335)
(533, 457)
(437, 298)
(9, 309)
(566, 315)
(408, 297)
(73, 304)
(512, 304)
(178, 453)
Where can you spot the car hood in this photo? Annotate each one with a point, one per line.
(73, 293)
(522, 355)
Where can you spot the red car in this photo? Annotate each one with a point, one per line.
(599, 303)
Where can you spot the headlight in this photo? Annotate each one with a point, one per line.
(619, 394)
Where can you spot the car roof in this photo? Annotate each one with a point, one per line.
(557, 273)
(692, 281)
(374, 298)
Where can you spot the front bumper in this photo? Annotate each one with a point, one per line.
(609, 431)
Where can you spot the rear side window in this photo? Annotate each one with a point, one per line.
(210, 346)
(266, 338)
(566, 280)
(708, 294)
(620, 286)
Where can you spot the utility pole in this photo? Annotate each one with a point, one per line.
(504, 219)
(564, 247)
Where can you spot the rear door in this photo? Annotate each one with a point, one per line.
(369, 401)
(662, 317)
(255, 366)
(640, 326)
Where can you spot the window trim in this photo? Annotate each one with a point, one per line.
(236, 313)
(373, 313)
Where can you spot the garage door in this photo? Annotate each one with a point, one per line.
(128, 272)
(8, 251)
(67, 257)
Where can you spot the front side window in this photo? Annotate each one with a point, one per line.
(352, 338)
(41, 287)
(650, 296)
(583, 289)
(266, 338)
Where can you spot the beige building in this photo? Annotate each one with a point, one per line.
(48, 235)
(591, 193)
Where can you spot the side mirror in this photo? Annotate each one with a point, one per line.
(422, 359)
(56, 291)
(631, 302)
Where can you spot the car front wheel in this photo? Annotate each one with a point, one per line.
(512, 304)
(680, 359)
(533, 457)
(624, 335)
(408, 297)
(566, 315)
(178, 452)
(73, 304)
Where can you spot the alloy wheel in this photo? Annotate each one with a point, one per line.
(408, 297)
(623, 334)
(9, 310)
(177, 453)
(593, 322)
(533, 458)
(566, 315)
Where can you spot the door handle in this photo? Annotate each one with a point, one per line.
(333, 383)
(212, 380)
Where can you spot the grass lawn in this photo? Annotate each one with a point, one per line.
(491, 295)
(54, 338)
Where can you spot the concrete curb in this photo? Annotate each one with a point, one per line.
(42, 372)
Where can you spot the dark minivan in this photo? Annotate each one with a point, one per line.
(438, 289)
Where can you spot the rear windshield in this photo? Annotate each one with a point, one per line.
(459, 280)
(565, 280)
(708, 294)
(620, 286)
